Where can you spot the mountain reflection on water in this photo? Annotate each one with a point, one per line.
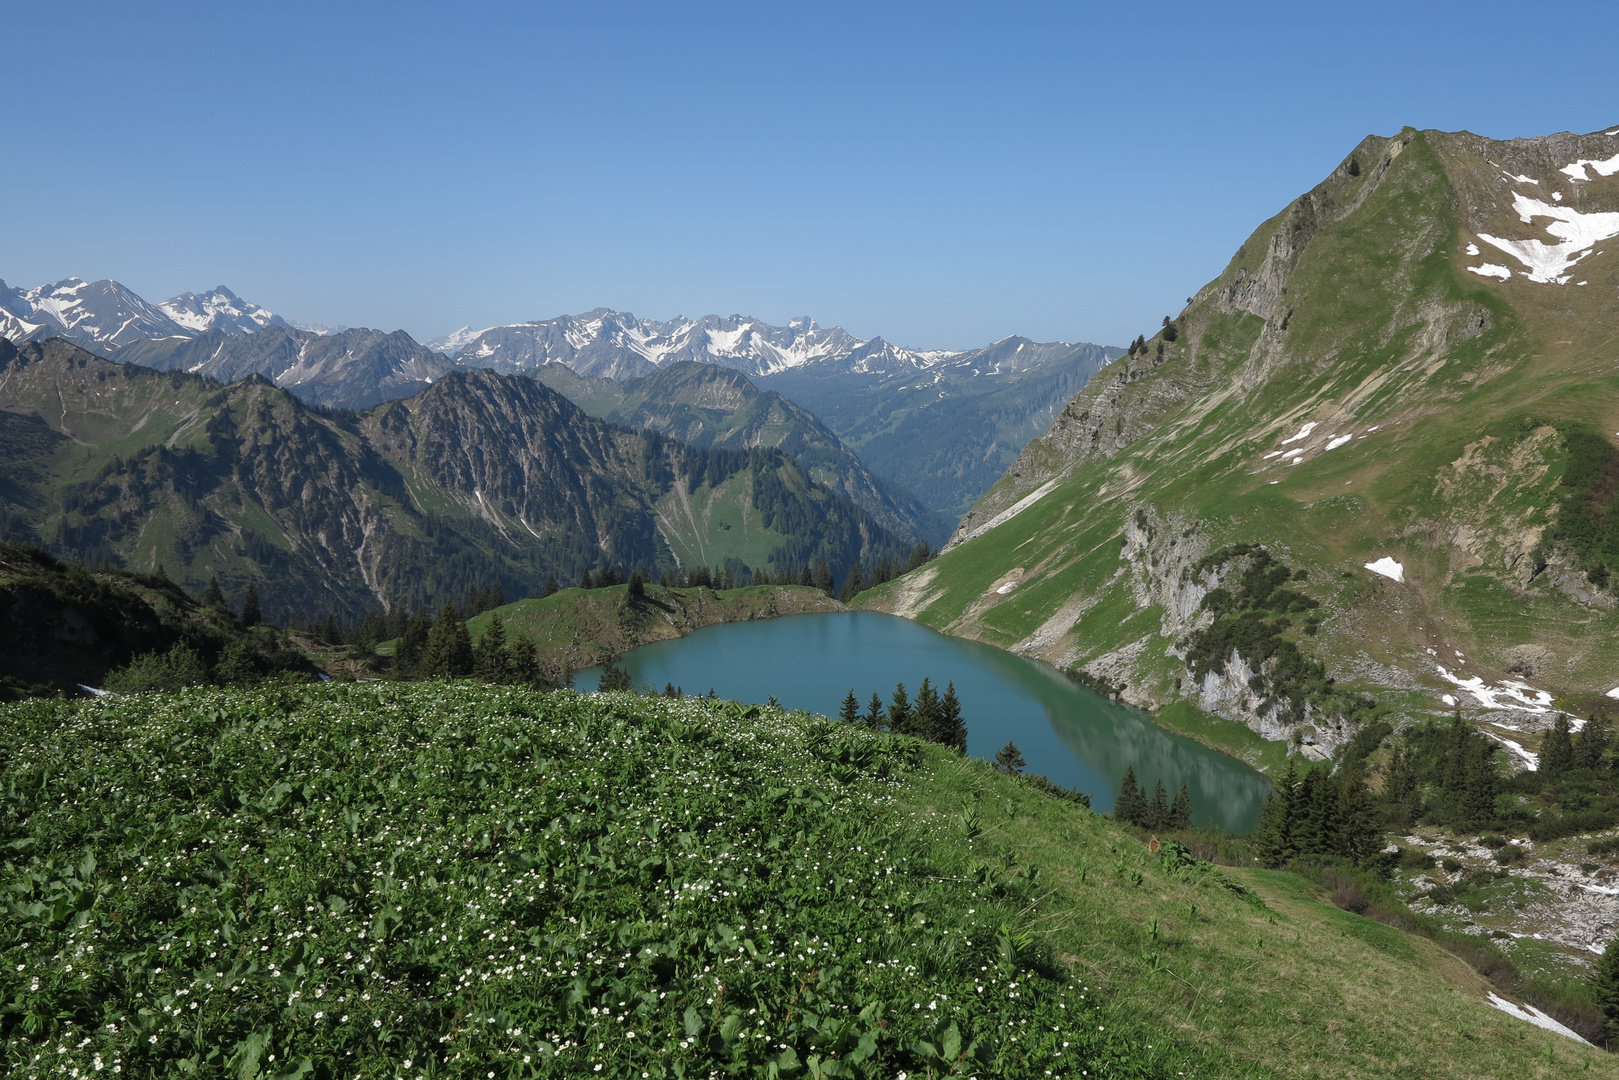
(1074, 736)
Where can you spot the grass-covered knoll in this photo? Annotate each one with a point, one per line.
(448, 879)
(578, 628)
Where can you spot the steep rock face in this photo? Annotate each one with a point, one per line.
(1391, 371)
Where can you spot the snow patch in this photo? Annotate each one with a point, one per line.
(1494, 270)
(1520, 179)
(1517, 693)
(1531, 760)
(1388, 567)
(1533, 1016)
(1576, 170)
(1472, 249)
(1614, 693)
(1548, 263)
(1008, 587)
(1304, 433)
(1339, 440)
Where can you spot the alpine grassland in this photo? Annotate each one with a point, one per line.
(454, 879)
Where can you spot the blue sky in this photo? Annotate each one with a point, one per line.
(940, 174)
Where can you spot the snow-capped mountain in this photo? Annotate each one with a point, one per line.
(103, 312)
(219, 309)
(617, 345)
(107, 315)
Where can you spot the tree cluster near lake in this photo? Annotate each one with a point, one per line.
(933, 716)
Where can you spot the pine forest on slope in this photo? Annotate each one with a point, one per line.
(1399, 396)
(480, 477)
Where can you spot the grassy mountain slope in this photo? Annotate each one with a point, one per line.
(62, 624)
(712, 406)
(1347, 390)
(949, 432)
(481, 879)
(481, 477)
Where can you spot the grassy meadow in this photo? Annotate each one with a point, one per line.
(448, 879)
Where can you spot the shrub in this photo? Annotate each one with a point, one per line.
(176, 669)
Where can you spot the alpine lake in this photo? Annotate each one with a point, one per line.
(1072, 735)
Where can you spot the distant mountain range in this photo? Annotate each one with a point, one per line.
(940, 425)
(480, 477)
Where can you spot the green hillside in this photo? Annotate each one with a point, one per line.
(479, 478)
(579, 628)
(454, 880)
(711, 406)
(1349, 390)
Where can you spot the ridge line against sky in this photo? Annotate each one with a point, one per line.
(941, 175)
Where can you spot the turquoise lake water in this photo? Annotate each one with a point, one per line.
(1074, 736)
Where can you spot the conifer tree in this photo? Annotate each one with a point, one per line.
(1180, 811)
(585, 581)
(806, 576)
(1556, 750)
(614, 678)
(251, 615)
(1606, 980)
(525, 663)
(412, 643)
(853, 584)
(1482, 784)
(1357, 825)
(637, 590)
(1591, 747)
(1131, 805)
(925, 714)
(874, 711)
(449, 647)
(850, 712)
(823, 577)
(493, 660)
(1009, 759)
(1273, 838)
(550, 588)
(899, 711)
(1158, 812)
(951, 723)
(213, 596)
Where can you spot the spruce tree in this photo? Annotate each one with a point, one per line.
(550, 588)
(1273, 838)
(1180, 811)
(585, 580)
(853, 584)
(525, 663)
(251, 615)
(412, 644)
(823, 577)
(213, 596)
(1556, 750)
(899, 711)
(614, 678)
(1009, 759)
(1482, 784)
(637, 589)
(951, 722)
(1606, 980)
(493, 660)
(1131, 805)
(850, 712)
(1158, 812)
(925, 714)
(1591, 748)
(1358, 832)
(874, 711)
(449, 647)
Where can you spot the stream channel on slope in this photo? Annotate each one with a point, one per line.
(1074, 736)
